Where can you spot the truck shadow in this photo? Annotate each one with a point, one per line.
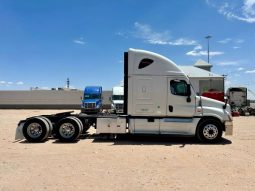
(154, 140)
(126, 139)
(55, 141)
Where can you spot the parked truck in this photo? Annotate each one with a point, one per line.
(158, 99)
(237, 96)
(117, 99)
(92, 100)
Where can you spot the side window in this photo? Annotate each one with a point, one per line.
(179, 87)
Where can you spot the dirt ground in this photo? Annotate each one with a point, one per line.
(127, 163)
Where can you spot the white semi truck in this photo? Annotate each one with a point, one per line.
(117, 99)
(237, 96)
(158, 99)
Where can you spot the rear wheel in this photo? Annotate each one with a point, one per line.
(69, 129)
(209, 130)
(37, 129)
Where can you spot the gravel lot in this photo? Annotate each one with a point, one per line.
(128, 163)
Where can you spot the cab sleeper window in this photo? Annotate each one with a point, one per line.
(178, 87)
(144, 63)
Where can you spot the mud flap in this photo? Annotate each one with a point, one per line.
(19, 132)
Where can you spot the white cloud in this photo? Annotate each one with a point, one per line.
(225, 41)
(146, 33)
(197, 51)
(198, 47)
(235, 9)
(79, 41)
(19, 83)
(229, 40)
(227, 63)
(4, 83)
(249, 8)
(239, 41)
(240, 69)
(236, 47)
(182, 41)
(203, 53)
(250, 72)
(122, 34)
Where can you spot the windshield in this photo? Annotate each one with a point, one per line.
(91, 96)
(117, 97)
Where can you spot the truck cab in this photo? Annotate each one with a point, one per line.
(117, 99)
(92, 99)
(160, 100)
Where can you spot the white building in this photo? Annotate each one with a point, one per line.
(202, 79)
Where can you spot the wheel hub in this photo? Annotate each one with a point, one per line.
(67, 130)
(34, 130)
(210, 131)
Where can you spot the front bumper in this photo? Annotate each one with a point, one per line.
(229, 128)
(88, 110)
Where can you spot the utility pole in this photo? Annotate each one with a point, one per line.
(208, 47)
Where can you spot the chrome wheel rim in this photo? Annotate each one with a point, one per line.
(210, 131)
(67, 130)
(34, 130)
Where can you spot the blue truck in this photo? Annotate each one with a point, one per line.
(92, 100)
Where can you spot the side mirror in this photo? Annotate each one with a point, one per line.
(110, 98)
(226, 102)
(188, 90)
(81, 97)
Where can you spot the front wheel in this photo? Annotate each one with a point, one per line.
(209, 131)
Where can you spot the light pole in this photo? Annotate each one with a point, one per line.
(208, 48)
(67, 83)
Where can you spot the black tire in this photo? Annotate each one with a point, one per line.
(209, 131)
(85, 124)
(49, 124)
(78, 121)
(69, 129)
(36, 129)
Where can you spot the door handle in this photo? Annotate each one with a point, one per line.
(170, 108)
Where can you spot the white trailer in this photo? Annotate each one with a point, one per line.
(158, 99)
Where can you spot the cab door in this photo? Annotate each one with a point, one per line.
(180, 98)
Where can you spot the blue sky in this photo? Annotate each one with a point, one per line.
(42, 42)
